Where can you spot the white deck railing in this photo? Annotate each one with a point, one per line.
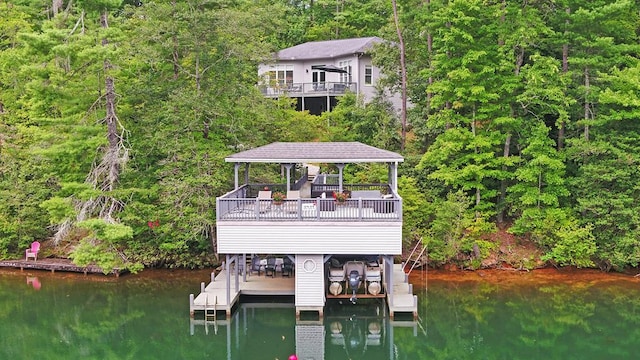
(251, 209)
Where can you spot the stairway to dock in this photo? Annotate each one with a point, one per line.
(400, 298)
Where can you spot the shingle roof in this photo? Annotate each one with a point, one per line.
(328, 49)
(315, 152)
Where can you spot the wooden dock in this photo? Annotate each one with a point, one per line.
(54, 265)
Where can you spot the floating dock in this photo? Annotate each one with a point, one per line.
(54, 265)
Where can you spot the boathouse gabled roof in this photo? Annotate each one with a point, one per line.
(315, 152)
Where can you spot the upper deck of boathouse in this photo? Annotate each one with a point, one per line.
(314, 200)
(378, 203)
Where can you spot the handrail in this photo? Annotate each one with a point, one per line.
(413, 265)
(424, 248)
(325, 88)
(404, 266)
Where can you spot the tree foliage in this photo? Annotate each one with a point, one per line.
(527, 111)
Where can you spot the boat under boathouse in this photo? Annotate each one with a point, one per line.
(324, 239)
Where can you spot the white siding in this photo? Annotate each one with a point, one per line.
(236, 237)
(309, 281)
(368, 91)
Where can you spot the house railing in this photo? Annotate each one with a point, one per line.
(329, 183)
(236, 206)
(308, 89)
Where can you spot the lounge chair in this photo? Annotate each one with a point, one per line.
(32, 252)
(291, 206)
(262, 202)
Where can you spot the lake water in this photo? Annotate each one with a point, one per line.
(483, 315)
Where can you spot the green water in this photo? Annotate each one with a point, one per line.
(64, 316)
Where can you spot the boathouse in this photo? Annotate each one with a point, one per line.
(339, 238)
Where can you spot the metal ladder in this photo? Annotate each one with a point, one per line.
(208, 315)
(418, 249)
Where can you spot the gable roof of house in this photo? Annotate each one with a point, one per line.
(315, 152)
(328, 49)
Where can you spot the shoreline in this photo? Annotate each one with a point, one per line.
(490, 275)
(567, 275)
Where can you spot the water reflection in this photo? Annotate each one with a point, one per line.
(34, 282)
(356, 336)
(579, 315)
(347, 331)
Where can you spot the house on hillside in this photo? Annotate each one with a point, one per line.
(317, 73)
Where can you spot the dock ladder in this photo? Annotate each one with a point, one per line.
(210, 310)
(210, 313)
(414, 257)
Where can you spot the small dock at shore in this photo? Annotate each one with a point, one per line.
(54, 265)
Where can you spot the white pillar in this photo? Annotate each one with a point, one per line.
(288, 167)
(393, 176)
(236, 180)
(228, 275)
(340, 168)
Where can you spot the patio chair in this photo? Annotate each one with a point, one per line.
(270, 267)
(255, 266)
(32, 252)
(287, 266)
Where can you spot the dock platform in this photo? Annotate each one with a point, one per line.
(213, 296)
(54, 265)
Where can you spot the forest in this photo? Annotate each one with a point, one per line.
(524, 122)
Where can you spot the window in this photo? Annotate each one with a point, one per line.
(368, 75)
(345, 65)
(318, 77)
(281, 75)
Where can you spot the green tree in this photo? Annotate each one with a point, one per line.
(539, 181)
